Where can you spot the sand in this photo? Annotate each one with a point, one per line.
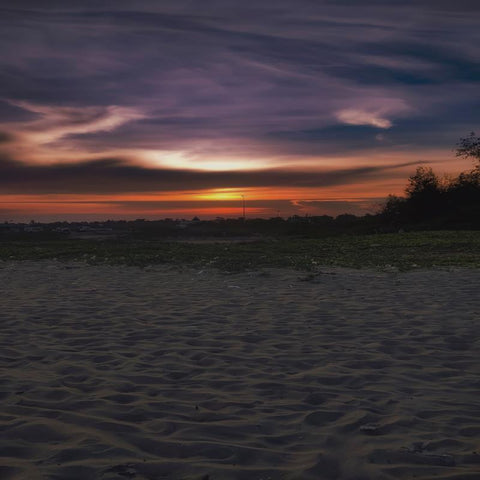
(111, 372)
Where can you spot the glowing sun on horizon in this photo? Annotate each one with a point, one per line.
(220, 194)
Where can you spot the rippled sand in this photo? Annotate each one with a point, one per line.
(117, 372)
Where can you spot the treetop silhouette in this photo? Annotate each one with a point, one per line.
(469, 147)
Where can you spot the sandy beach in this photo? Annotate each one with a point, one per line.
(114, 372)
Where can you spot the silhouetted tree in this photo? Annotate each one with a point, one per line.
(423, 182)
(424, 195)
(434, 203)
(393, 211)
(469, 147)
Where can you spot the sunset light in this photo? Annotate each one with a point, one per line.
(286, 113)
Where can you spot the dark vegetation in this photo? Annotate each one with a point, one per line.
(435, 224)
(434, 203)
(403, 251)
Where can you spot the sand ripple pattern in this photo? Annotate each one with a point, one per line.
(123, 373)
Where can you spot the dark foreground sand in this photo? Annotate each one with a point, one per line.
(117, 372)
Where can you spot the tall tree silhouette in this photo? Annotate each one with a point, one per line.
(424, 195)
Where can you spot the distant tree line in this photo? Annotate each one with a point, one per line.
(434, 202)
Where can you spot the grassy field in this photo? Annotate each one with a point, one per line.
(402, 251)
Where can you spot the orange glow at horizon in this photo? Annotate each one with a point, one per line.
(215, 196)
(338, 192)
(224, 202)
(364, 196)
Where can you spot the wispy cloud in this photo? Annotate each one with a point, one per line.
(57, 122)
(360, 117)
(51, 129)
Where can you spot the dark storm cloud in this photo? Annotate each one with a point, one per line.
(110, 175)
(265, 78)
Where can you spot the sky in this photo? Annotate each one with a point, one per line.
(175, 108)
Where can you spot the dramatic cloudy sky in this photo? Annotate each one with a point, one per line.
(156, 108)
